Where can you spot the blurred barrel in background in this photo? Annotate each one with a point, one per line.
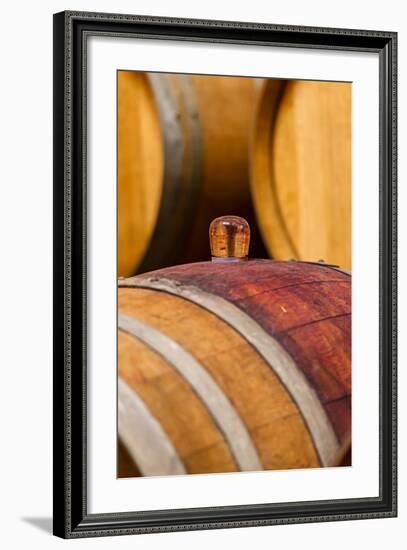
(183, 159)
(301, 170)
(234, 366)
(140, 168)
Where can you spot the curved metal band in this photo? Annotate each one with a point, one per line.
(182, 142)
(269, 348)
(143, 436)
(218, 405)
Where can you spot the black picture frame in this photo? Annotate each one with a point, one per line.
(71, 518)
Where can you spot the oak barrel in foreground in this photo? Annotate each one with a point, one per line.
(234, 367)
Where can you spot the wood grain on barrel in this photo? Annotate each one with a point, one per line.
(126, 466)
(204, 386)
(175, 405)
(181, 135)
(144, 437)
(345, 454)
(301, 170)
(226, 107)
(183, 158)
(305, 307)
(140, 168)
(272, 418)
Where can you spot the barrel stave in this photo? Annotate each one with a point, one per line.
(301, 170)
(244, 377)
(183, 159)
(305, 308)
(176, 407)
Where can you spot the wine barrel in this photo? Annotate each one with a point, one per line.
(126, 466)
(345, 454)
(234, 366)
(183, 158)
(301, 170)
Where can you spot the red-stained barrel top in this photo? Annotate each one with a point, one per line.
(304, 306)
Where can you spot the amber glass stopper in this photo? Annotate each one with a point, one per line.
(230, 238)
